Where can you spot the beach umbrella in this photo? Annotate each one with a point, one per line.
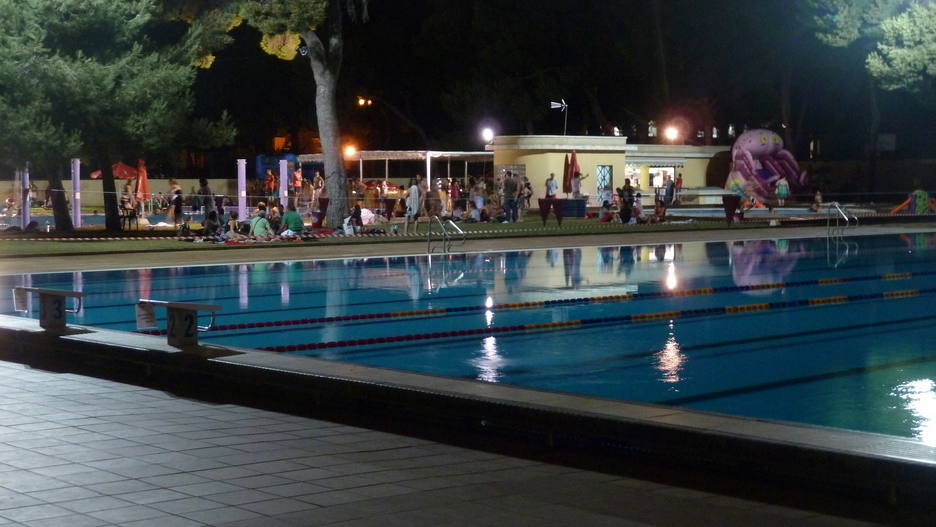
(142, 183)
(566, 177)
(123, 171)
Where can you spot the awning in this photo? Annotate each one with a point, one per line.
(633, 160)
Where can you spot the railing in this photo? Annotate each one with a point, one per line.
(840, 214)
(448, 235)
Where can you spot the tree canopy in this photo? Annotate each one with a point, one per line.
(103, 79)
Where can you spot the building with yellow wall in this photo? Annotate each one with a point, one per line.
(604, 159)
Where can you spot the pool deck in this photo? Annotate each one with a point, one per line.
(78, 450)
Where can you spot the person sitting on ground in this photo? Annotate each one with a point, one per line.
(210, 226)
(472, 215)
(233, 230)
(260, 226)
(817, 202)
(637, 214)
(275, 218)
(292, 222)
(605, 214)
(458, 214)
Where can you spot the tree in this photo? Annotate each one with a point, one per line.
(112, 78)
(285, 25)
(27, 130)
(905, 55)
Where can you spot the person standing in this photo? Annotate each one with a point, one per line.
(510, 197)
(577, 184)
(669, 189)
(414, 203)
(318, 189)
(205, 195)
(678, 188)
(477, 191)
(296, 186)
(269, 185)
(782, 190)
(550, 202)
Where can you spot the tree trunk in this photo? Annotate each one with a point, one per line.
(335, 179)
(325, 56)
(111, 210)
(63, 222)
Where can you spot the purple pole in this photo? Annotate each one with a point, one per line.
(284, 183)
(25, 213)
(76, 191)
(242, 189)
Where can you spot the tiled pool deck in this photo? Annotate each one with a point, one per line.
(76, 450)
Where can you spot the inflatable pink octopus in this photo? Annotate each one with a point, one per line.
(758, 161)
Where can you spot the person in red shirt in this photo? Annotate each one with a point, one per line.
(269, 184)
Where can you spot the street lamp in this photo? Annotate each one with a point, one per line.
(349, 151)
(671, 133)
(364, 101)
(487, 134)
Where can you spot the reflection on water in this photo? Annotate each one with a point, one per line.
(760, 262)
(490, 361)
(919, 398)
(671, 281)
(670, 360)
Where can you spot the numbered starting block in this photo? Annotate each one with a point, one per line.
(52, 308)
(181, 320)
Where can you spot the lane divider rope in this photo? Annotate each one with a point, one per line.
(570, 324)
(536, 304)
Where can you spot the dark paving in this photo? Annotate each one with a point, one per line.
(79, 451)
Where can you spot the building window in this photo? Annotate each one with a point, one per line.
(604, 181)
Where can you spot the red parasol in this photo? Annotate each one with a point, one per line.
(566, 177)
(142, 183)
(122, 171)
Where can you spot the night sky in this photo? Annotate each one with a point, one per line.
(438, 71)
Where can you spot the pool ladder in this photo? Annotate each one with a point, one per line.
(837, 249)
(843, 219)
(447, 235)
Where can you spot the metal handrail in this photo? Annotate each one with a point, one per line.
(445, 235)
(842, 214)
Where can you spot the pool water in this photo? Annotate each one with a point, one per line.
(835, 332)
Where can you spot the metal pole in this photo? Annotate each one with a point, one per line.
(76, 191)
(565, 120)
(386, 169)
(25, 213)
(242, 189)
(428, 169)
(283, 184)
(360, 170)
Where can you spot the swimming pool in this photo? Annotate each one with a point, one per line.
(833, 332)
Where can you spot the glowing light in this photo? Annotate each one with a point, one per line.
(488, 317)
(364, 101)
(671, 133)
(350, 150)
(671, 280)
(487, 134)
(489, 303)
(920, 399)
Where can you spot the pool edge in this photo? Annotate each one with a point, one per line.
(886, 469)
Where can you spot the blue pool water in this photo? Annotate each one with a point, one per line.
(866, 363)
